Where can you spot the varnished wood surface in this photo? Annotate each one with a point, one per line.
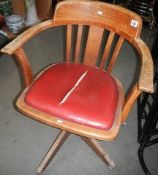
(25, 66)
(63, 135)
(107, 49)
(97, 16)
(78, 43)
(68, 43)
(129, 101)
(145, 82)
(94, 145)
(146, 75)
(93, 45)
(114, 17)
(25, 36)
(115, 54)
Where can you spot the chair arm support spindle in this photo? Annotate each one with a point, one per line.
(129, 101)
(24, 66)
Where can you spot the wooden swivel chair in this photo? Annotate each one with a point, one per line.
(80, 95)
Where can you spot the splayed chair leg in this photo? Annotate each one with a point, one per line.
(61, 138)
(94, 145)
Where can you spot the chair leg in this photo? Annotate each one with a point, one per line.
(61, 138)
(99, 151)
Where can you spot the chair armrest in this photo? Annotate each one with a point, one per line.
(15, 48)
(25, 36)
(145, 82)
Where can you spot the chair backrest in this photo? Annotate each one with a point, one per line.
(92, 29)
(95, 32)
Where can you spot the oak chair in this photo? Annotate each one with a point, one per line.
(80, 95)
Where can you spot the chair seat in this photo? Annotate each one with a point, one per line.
(76, 93)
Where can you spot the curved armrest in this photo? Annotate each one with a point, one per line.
(15, 47)
(145, 82)
(25, 36)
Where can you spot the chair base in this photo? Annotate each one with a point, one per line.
(61, 138)
(95, 146)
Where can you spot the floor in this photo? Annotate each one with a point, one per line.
(23, 141)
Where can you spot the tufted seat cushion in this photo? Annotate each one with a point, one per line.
(76, 93)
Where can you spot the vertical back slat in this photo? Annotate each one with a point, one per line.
(107, 49)
(115, 54)
(68, 43)
(93, 45)
(78, 43)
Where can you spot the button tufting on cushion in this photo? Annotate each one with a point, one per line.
(77, 93)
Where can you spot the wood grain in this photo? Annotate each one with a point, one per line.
(68, 43)
(114, 17)
(115, 54)
(107, 49)
(145, 82)
(61, 138)
(78, 43)
(24, 65)
(98, 16)
(96, 147)
(129, 101)
(93, 45)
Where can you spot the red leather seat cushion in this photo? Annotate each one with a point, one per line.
(75, 92)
